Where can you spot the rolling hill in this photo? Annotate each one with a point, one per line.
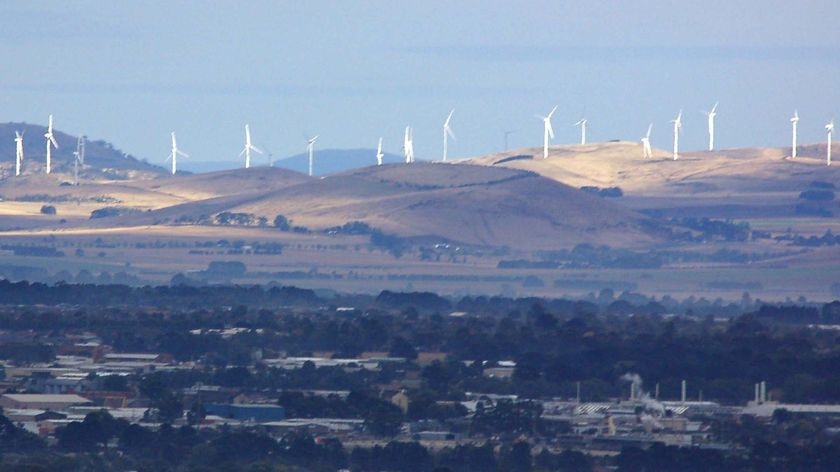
(467, 204)
(330, 161)
(102, 160)
(728, 171)
(729, 183)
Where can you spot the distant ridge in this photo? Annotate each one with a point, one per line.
(331, 161)
(103, 161)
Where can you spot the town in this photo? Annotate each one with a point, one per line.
(363, 383)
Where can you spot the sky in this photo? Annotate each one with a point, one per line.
(352, 71)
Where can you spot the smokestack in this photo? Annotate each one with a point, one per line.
(763, 392)
(757, 396)
(632, 391)
(657, 391)
(682, 396)
(578, 392)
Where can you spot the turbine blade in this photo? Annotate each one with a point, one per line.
(53, 141)
(256, 150)
(550, 129)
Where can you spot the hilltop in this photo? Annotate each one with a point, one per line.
(331, 161)
(729, 183)
(621, 164)
(102, 160)
(467, 204)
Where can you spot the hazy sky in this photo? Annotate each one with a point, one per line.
(131, 71)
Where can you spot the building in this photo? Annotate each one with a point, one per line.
(255, 413)
(24, 401)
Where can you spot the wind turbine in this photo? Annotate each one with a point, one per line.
(18, 151)
(50, 142)
(408, 145)
(248, 148)
(173, 155)
(711, 115)
(78, 158)
(547, 131)
(646, 151)
(793, 122)
(379, 153)
(310, 148)
(677, 129)
(507, 133)
(829, 128)
(583, 123)
(447, 133)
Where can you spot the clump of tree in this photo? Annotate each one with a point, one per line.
(284, 224)
(48, 210)
(226, 268)
(227, 218)
(352, 227)
(606, 192)
(109, 212)
(817, 195)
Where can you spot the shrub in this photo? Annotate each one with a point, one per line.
(48, 210)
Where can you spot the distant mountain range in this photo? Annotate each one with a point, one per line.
(326, 161)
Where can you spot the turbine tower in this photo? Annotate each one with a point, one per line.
(248, 147)
(447, 133)
(829, 128)
(711, 115)
(646, 151)
(379, 154)
(51, 142)
(408, 145)
(583, 123)
(18, 151)
(78, 158)
(310, 148)
(793, 122)
(173, 155)
(547, 131)
(677, 129)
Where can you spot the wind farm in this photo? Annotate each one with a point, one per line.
(477, 203)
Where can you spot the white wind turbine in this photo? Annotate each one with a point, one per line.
(829, 128)
(248, 147)
(646, 150)
(447, 133)
(711, 115)
(18, 151)
(51, 142)
(793, 123)
(547, 131)
(677, 129)
(173, 155)
(379, 153)
(78, 158)
(583, 123)
(408, 145)
(310, 148)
